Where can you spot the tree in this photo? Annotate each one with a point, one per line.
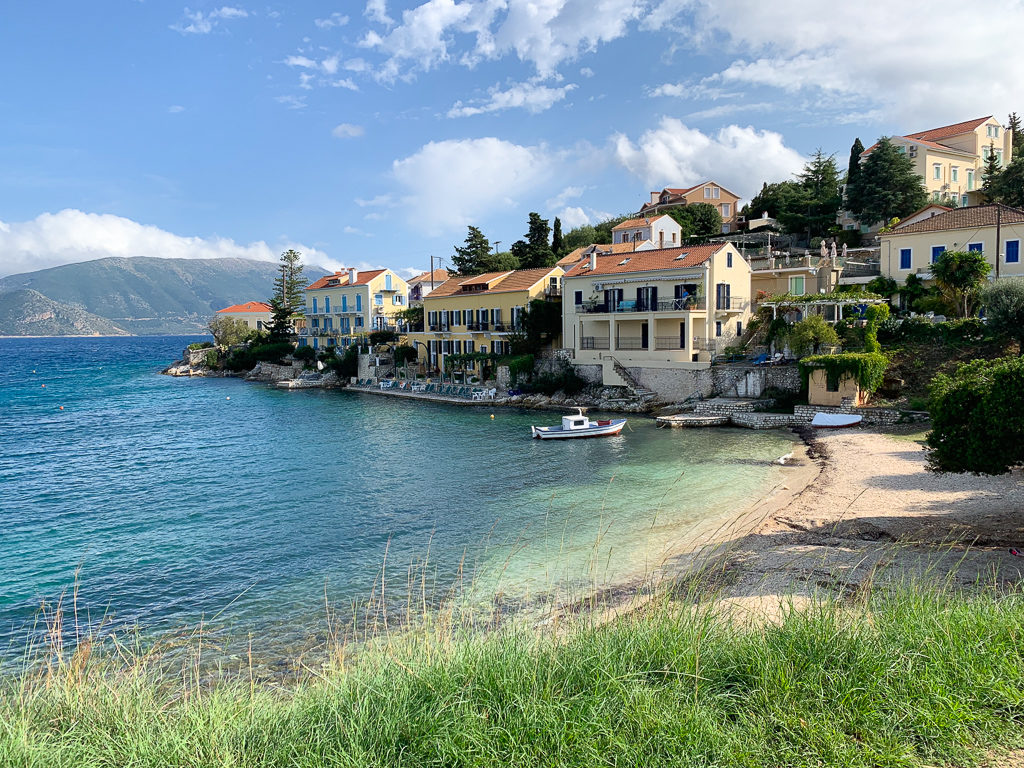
(280, 329)
(289, 285)
(1004, 308)
(502, 261)
(853, 176)
(776, 199)
(539, 325)
(815, 210)
(977, 421)
(1013, 125)
(959, 275)
(580, 237)
(991, 172)
(912, 290)
(535, 251)
(808, 335)
(229, 331)
(468, 259)
(888, 185)
(1008, 186)
(557, 244)
(698, 221)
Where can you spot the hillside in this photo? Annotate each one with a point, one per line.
(29, 313)
(145, 295)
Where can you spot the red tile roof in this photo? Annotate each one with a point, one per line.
(972, 217)
(440, 275)
(631, 223)
(947, 131)
(249, 306)
(496, 282)
(646, 261)
(341, 278)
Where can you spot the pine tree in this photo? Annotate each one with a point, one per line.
(280, 323)
(535, 251)
(470, 259)
(557, 245)
(289, 285)
(819, 181)
(889, 187)
(1013, 124)
(853, 177)
(1009, 186)
(991, 173)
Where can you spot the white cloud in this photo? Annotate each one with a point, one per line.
(346, 83)
(792, 46)
(376, 10)
(301, 61)
(355, 231)
(532, 97)
(587, 72)
(175, 109)
(198, 23)
(334, 20)
(374, 202)
(567, 194)
(291, 101)
(347, 131)
(573, 217)
(70, 236)
(451, 184)
(723, 110)
(736, 157)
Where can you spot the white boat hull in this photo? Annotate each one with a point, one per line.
(835, 420)
(597, 429)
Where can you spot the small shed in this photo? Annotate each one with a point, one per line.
(842, 391)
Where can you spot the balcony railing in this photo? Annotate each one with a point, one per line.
(732, 304)
(862, 269)
(594, 342)
(668, 342)
(478, 326)
(688, 304)
(627, 343)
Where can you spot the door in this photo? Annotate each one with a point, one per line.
(643, 336)
(682, 334)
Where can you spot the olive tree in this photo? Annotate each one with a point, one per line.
(1004, 308)
(960, 275)
(228, 331)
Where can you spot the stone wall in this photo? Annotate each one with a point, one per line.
(874, 416)
(782, 377)
(273, 372)
(673, 385)
(589, 373)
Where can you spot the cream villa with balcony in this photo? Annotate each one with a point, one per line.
(708, 192)
(255, 314)
(990, 229)
(671, 308)
(477, 313)
(349, 304)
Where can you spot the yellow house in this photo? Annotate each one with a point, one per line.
(708, 192)
(255, 314)
(477, 313)
(950, 159)
(796, 275)
(665, 308)
(348, 304)
(990, 229)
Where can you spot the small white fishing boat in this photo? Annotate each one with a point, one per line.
(835, 420)
(579, 426)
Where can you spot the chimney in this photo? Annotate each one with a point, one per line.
(351, 276)
(593, 260)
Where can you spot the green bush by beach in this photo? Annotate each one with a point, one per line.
(906, 679)
(246, 359)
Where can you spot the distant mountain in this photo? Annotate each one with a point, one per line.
(145, 295)
(29, 313)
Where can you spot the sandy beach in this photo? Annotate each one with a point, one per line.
(870, 513)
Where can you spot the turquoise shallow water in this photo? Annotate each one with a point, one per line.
(181, 500)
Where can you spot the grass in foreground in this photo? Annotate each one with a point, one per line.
(908, 679)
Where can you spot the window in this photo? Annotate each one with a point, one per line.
(796, 286)
(937, 171)
(712, 193)
(387, 281)
(963, 201)
(935, 196)
(831, 384)
(359, 322)
(314, 305)
(398, 299)
(905, 258)
(993, 131)
(1012, 251)
(979, 247)
(739, 327)
(378, 299)
(327, 303)
(954, 173)
(673, 237)
(718, 328)
(728, 260)
(723, 298)
(970, 182)
(359, 302)
(726, 210)
(577, 297)
(937, 250)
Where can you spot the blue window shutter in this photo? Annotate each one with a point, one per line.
(1012, 251)
(975, 247)
(905, 258)
(937, 250)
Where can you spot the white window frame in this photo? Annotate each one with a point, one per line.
(910, 265)
(937, 171)
(803, 285)
(1005, 251)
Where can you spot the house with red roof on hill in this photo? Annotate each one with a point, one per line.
(950, 159)
(255, 314)
(346, 305)
(709, 192)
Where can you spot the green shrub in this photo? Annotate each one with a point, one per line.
(868, 368)
(246, 359)
(212, 359)
(200, 345)
(306, 354)
(977, 421)
(1004, 307)
(810, 334)
(382, 337)
(404, 354)
(875, 314)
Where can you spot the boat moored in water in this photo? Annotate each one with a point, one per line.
(579, 425)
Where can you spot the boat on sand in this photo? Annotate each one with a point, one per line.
(579, 425)
(835, 420)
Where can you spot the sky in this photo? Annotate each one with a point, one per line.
(373, 132)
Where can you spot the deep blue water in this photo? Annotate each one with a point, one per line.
(184, 500)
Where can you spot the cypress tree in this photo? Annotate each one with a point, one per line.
(1013, 124)
(853, 177)
(557, 245)
(991, 173)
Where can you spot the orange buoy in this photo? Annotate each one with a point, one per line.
(62, 407)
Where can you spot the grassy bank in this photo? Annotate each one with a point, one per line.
(908, 679)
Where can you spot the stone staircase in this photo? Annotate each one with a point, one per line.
(630, 382)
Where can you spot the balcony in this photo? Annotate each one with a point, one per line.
(732, 304)
(594, 342)
(688, 304)
(630, 343)
(668, 342)
(478, 326)
(862, 269)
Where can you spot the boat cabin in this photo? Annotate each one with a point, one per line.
(575, 422)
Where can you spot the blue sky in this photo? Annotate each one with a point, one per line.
(372, 133)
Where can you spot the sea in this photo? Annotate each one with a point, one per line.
(145, 504)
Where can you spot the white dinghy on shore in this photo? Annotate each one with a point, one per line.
(835, 420)
(579, 426)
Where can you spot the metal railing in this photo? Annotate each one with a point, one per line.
(629, 343)
(688, 304)
(732, 304)
(668, 342)
(594, 342)
(862, 269)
